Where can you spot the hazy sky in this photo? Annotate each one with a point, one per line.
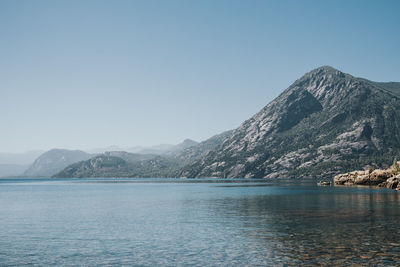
(85, 74)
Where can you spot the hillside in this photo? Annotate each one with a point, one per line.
(326, 122)
(54, 161)
(124, 164)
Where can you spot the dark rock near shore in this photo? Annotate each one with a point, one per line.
(391, 183)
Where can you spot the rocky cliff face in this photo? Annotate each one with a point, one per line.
(325, 123)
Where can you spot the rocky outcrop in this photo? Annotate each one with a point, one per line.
(388, 178)
(392, 183)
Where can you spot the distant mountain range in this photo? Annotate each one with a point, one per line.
(326, 122)
(124, 164)
(46, 164)
(55, 160)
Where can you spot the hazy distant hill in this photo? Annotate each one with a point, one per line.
(106, 165)
(124, 164)
(54, 161)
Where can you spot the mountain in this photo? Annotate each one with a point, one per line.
(194, 152)
(107, 165)
(326, 122)
(54, 161)
(124, 164)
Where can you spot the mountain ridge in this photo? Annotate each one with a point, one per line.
(125, 164)
(279, 139)
(325, 123)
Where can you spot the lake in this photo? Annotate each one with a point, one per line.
(167, 222)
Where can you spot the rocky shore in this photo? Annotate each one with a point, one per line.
(388, 178)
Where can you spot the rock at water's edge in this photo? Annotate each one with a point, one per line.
(389, 178)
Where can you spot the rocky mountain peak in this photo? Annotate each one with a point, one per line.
(325, 70)
(327, 84)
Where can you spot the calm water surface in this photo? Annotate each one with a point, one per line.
(132, 222)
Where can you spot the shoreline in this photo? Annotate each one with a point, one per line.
(386, 178)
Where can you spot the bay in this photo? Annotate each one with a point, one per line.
(148, 222)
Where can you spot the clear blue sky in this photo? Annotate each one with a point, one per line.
(85, 74)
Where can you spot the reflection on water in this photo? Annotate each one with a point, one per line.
(323, 229)
(93, 222)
